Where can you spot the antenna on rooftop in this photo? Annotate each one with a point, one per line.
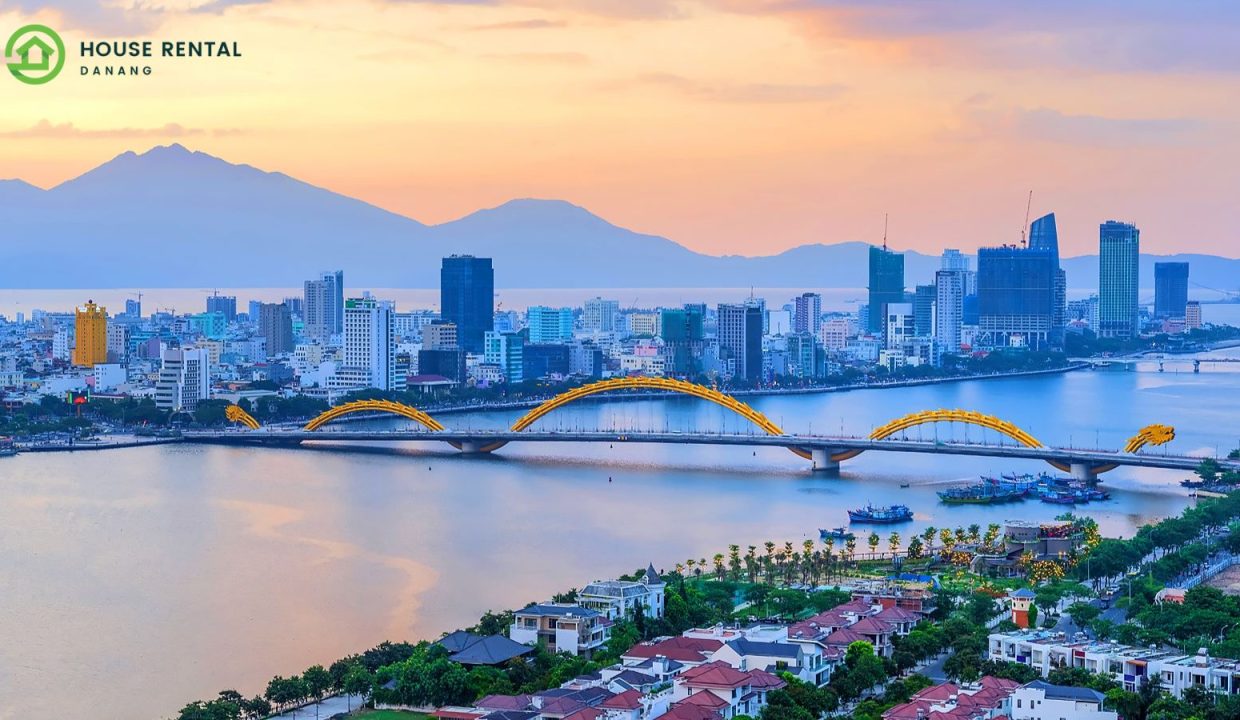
(884, 231)
(1024, 228)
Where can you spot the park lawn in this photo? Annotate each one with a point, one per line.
(389, 715)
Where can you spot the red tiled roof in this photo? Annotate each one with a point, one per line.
(714, 674)
(682, 649)
(706, 699)
(898, 614)
(937, 692)
(681, 711)
(504, 702)
(627, 700)
(585, 714)
(844, 636)
(763, 680)
(561, 706)
(870, 626)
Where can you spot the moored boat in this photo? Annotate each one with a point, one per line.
(838, 533)
(885, 514)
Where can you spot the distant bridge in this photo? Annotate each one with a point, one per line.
(825, 451)
(1162, 359)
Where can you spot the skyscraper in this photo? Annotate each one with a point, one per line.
(740, 339)
(1170, 289)
(1119, 253)
(886, 285)
(923, 310)
(682, 332)
(807, 311)
(133, 309)
(1044, 235)
(91, 332)
(1016, 296)
(507, 350)
(600, 315)
(225, 305)
(323, 305)
(276, 326)
(369, 358)
(467, 298)
(184, 379)
(949, 309)
(549, 325)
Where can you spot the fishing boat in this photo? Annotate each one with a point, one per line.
(1193, 483)
(838, 533)
(982, 494)
(7, 448)
(904, 485)
(1059, 498)
(885, 514)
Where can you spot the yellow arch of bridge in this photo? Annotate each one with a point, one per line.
(237, 414)
(651, 383)
(384, 406)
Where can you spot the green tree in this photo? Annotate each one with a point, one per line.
(358, 681)
(1082, 614)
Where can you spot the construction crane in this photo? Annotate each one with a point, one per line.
(1025, 228)
(884, 232)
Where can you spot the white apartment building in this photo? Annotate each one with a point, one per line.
(369, 353)
(1128, 665)
(184, 379)
(1042, 701)
(600, 315)
(616, 599)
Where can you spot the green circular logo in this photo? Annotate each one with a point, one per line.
(34, 54)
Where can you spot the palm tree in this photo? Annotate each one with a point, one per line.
(769, 562)
(975, 533)
(915, 547)
(851, 546)
(948, 539)
(893, 542)
(690, 563)
(872, 541)
(928, 536)
(808, 565)
(992, 536)
(734, 561)
(751, 563)
(718, 566)
(827, 552)
(961, 536)
(680, 568)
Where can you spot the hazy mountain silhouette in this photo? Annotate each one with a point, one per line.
(171, 217)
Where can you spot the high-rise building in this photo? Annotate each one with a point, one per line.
(953, 259)
(91, 334)
(323, 305)
(296, 306)
(682, 331)
(133, 309)
(275, 324)
(802, 350)
(118, 343)
(184, 379)
(369, 358)
(599, 315)
(1119, 254)
(1016, 296)
(1044, 236)
(507, 350)
(740, 339)
(1192, 315)
(949, 309)
(225, 305)
(1170, 289)
(900, 326)
(467, 298)
(806, 313)
(440, 335)
(886, 285)
(923, 309)
(549, 325)
(540, 361)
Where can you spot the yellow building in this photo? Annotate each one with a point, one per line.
(92, 335)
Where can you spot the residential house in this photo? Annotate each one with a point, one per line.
(617, 599)
(1040, 700)
(561, 627)
(720, 688)
(988, 698)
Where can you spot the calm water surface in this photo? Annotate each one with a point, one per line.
(132, 581)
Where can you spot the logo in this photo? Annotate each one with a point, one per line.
(35, 54)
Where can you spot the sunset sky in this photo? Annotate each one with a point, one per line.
(730, 126)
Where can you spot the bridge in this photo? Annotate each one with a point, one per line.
(1161, 358)
(825, 451)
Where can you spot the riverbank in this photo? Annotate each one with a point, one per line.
(81, 446)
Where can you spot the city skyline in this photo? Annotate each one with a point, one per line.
(542, 99)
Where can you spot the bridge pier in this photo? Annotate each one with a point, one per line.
(472, 447)
(822, 460)
(1084, 472)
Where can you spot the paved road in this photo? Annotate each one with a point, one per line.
(329, 707)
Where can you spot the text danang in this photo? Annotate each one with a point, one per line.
(166, 48)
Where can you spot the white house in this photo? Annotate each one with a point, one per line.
(1040, 700)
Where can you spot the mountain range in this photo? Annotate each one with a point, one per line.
(171, 217)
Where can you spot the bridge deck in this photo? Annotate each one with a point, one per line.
(831, 443)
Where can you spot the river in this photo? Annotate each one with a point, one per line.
(134, 580)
